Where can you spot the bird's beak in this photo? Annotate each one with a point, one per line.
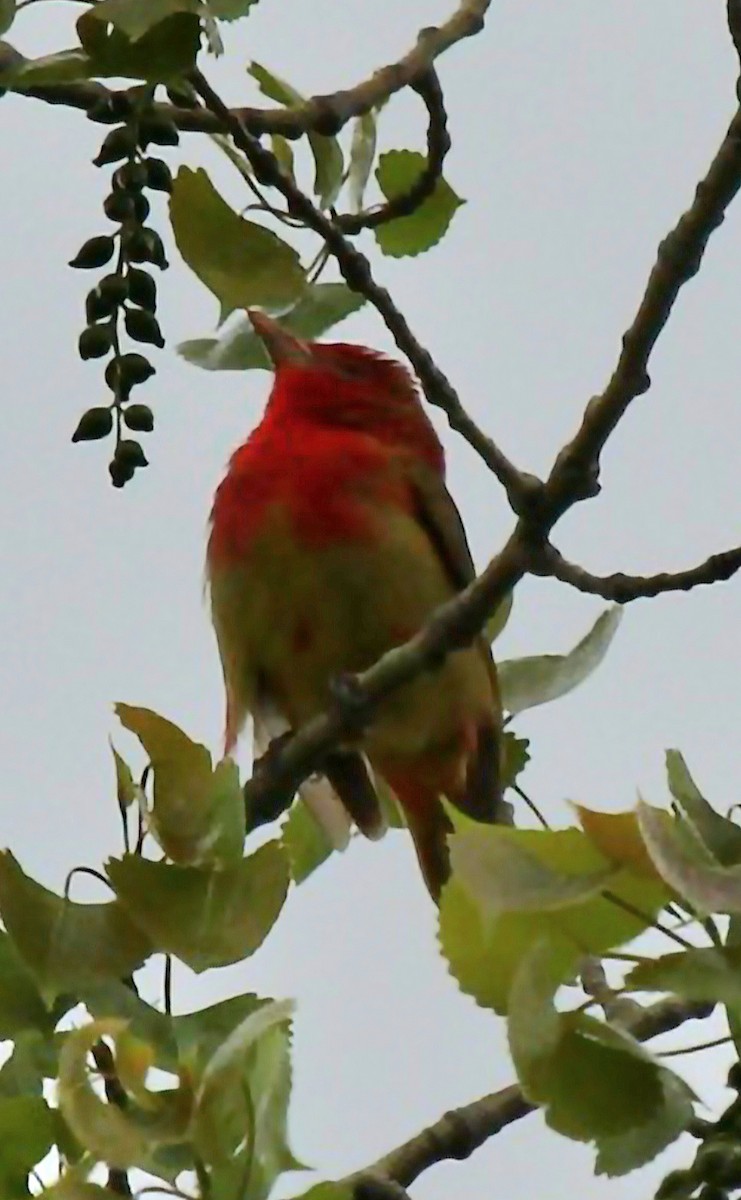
(282, 346)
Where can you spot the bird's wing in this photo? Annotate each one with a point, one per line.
(439, 516)
(437, 513)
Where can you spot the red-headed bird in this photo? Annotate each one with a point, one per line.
(334, 538)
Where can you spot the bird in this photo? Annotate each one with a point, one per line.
(332, 539)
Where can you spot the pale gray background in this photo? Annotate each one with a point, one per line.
(580, 130)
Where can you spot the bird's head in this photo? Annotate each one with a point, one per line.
(345, 386)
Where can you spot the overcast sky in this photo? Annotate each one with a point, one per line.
(580, 130)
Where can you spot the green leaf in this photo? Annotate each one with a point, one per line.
(484, 948)
(595, 1082)
(396, 172)
(66, 66)
(230, 10)
(198, 812)
(115, 1000)
(515, 757)
(362, 154)
(66, 945)
(617, 836)
(503, 875)
(526, 682)
(7, 15)
(167, 50)
(711, 973)
(199, 1034)
(126, 789)
(306, 842)
(137, 17)
(121, 1137)
(720, 835)
(73, 1185)
(26, 1136)
(619, 1154)
(709, 889)
(242, 263)
(243, 1097)
(328, 160)
(34, 1059)
(283, 151)
(206, 918)
(21, 1006)
(322, 306)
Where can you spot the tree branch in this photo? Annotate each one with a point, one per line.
(575, 475)
(356, 272)
(459, 1132)
(319, 114)
(622, 588)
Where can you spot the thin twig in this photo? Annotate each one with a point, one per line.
(622, 588)
(118, 1180)
(319, 114)
(438, 145)
(575, 475)
(458, 1133)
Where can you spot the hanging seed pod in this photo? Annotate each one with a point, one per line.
(119, 143)
(95, 252)
(140, 418)
(142, 289)
(95, 341)
(93, 425)
(159, 176)
(143, 327)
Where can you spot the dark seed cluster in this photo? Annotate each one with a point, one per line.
(716, 1172)
(125, 299)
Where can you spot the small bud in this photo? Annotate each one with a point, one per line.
(159, 176)
(94, 424)
(130, 451)
(119, 206)
(139, 417)
(120, 472)
(142, 289)
(734, 1077)
(95, 252)
(132, 177)
(143, 327)
(95, 341)
(119, 143)
(160, 130)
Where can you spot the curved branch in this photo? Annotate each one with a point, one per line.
(319, 114)
(623, 588)
(575, 475)
(438, 145)
(459, 1132)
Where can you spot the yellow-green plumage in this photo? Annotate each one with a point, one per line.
(334, 539)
